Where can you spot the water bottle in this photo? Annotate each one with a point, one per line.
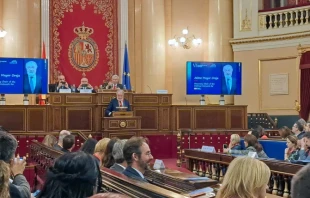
(26, 100)
(73, 88)
(2, 99)
(124, 87)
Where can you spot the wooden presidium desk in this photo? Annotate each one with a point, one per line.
(153, 114)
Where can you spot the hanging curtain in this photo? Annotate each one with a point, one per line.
(305, 85)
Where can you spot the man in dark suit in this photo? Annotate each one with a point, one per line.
(113, 84)
(19, 187)
(138, 155)
(117, 153)
(68, 143)
(228, 82)
(32, 81)
(119, 101)
(61, 84)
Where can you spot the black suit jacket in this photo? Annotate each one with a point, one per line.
(62, 87)
(233, 86)
(38, 87)
(133, 174)
(117, 168)
(110, 87)
(114, 103)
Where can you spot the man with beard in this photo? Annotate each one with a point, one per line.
(138, 155)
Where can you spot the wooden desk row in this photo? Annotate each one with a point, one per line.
(85, 112)
(213, 165)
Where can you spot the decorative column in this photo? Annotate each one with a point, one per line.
(122, 32)
(21, 20)
(153, 45)
(220, 32)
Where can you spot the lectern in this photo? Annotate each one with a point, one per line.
(122, 120)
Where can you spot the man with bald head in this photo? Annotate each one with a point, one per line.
(61, 84)
(32, 81)
(228, 82)
(113, 84)
(62, 135)
(84, 84)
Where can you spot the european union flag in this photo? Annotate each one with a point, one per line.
(126, 71)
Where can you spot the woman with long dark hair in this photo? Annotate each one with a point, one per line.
(73, 175)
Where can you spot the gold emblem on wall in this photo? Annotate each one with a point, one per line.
(83, 51)
(246, 22)
(122, 124)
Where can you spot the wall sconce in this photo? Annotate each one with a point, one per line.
(185, 41)
(2, 32)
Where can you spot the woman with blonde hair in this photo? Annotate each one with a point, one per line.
(234, 142)
(4, 179)
(240, 181)
(49, 140)
(100, 150)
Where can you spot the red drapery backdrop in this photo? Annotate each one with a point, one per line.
(305, 85)
(83, 37)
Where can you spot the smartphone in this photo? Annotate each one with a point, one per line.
(225, 146)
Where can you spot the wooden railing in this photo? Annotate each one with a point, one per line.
(262, 119)
(277, 19)
(214, 165)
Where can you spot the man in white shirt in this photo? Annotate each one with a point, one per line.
(138, 155)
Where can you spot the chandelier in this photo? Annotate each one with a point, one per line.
(2, 32)
(185, 40)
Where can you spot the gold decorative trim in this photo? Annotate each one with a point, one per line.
(270, 38)
(260, 89)
(246, 22)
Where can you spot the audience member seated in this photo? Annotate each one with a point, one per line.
(297, 129)
(117, 153)
(234, 142)
(304, 152)
(61, 84)
(252, 145)
(73, 175)
(117, 102)
(89, 146)
(62, 135)
(285, 132)
(113, 84)
(68, 143)
(100, 149)
(301, 183)
(109, 195)
(49, 140)
(261, 132)
(291, 153)
(307, 127)
(255, 133)
(246, 177)
(19, 187)
(138, 155)
(5, 180)
(108, 157)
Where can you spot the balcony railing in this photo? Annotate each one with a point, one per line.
(277, 19)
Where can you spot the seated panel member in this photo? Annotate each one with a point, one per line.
(85, 85)
(119, 101)
(138, 155)
(61, 84)
(113, 84)
(32, 80)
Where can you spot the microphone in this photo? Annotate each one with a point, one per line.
(185, 100)
(149, 88)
